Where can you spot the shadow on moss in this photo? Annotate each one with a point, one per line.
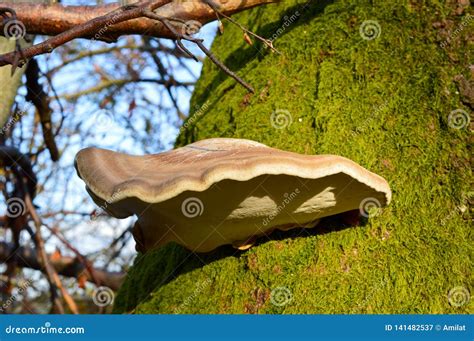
(156, 268)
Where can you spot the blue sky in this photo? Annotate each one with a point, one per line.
(65, 189)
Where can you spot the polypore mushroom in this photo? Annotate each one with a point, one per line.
(224, 191)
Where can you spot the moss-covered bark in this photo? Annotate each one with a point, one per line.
(383, 103)
(10, 83)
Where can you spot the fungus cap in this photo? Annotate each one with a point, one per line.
(224, 191)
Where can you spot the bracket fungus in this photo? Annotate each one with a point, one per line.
(224, 191)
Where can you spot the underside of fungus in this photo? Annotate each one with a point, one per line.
(224, 191)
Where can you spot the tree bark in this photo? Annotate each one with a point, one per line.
(54, 19)
(10, 83)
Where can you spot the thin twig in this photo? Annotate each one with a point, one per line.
(199, 42)
(50, 272)
(267, 42)
(19, 58)
(79, 255)
(141, 9)
(164, 75)
(120, 83)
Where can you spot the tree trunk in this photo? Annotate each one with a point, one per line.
(10, 84)
(371, 81)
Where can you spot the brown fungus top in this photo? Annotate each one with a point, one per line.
(224, 191)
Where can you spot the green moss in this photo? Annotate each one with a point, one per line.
(383, 103)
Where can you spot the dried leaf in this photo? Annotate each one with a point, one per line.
(221, 27)
(131, 107)
(82, 280)
(247, 39)
(56, 255)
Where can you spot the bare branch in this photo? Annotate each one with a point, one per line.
(54, 19)
(40, 100)
(64, 266)
(89, 28)
(267, 42)
(85, 54)
(50, 272)
(121, 82)
(102, 27)
(182, 36)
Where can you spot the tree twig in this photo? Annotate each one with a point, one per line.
(267, 42)
(89, 28)
(126, 13)
(40, 100)
(199, 42)
(65, 266)
(51, 274)
(121, 82)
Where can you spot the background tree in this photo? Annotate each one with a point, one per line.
(124, 87)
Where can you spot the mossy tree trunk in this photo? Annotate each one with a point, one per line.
(10, 83)
(368, 80)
